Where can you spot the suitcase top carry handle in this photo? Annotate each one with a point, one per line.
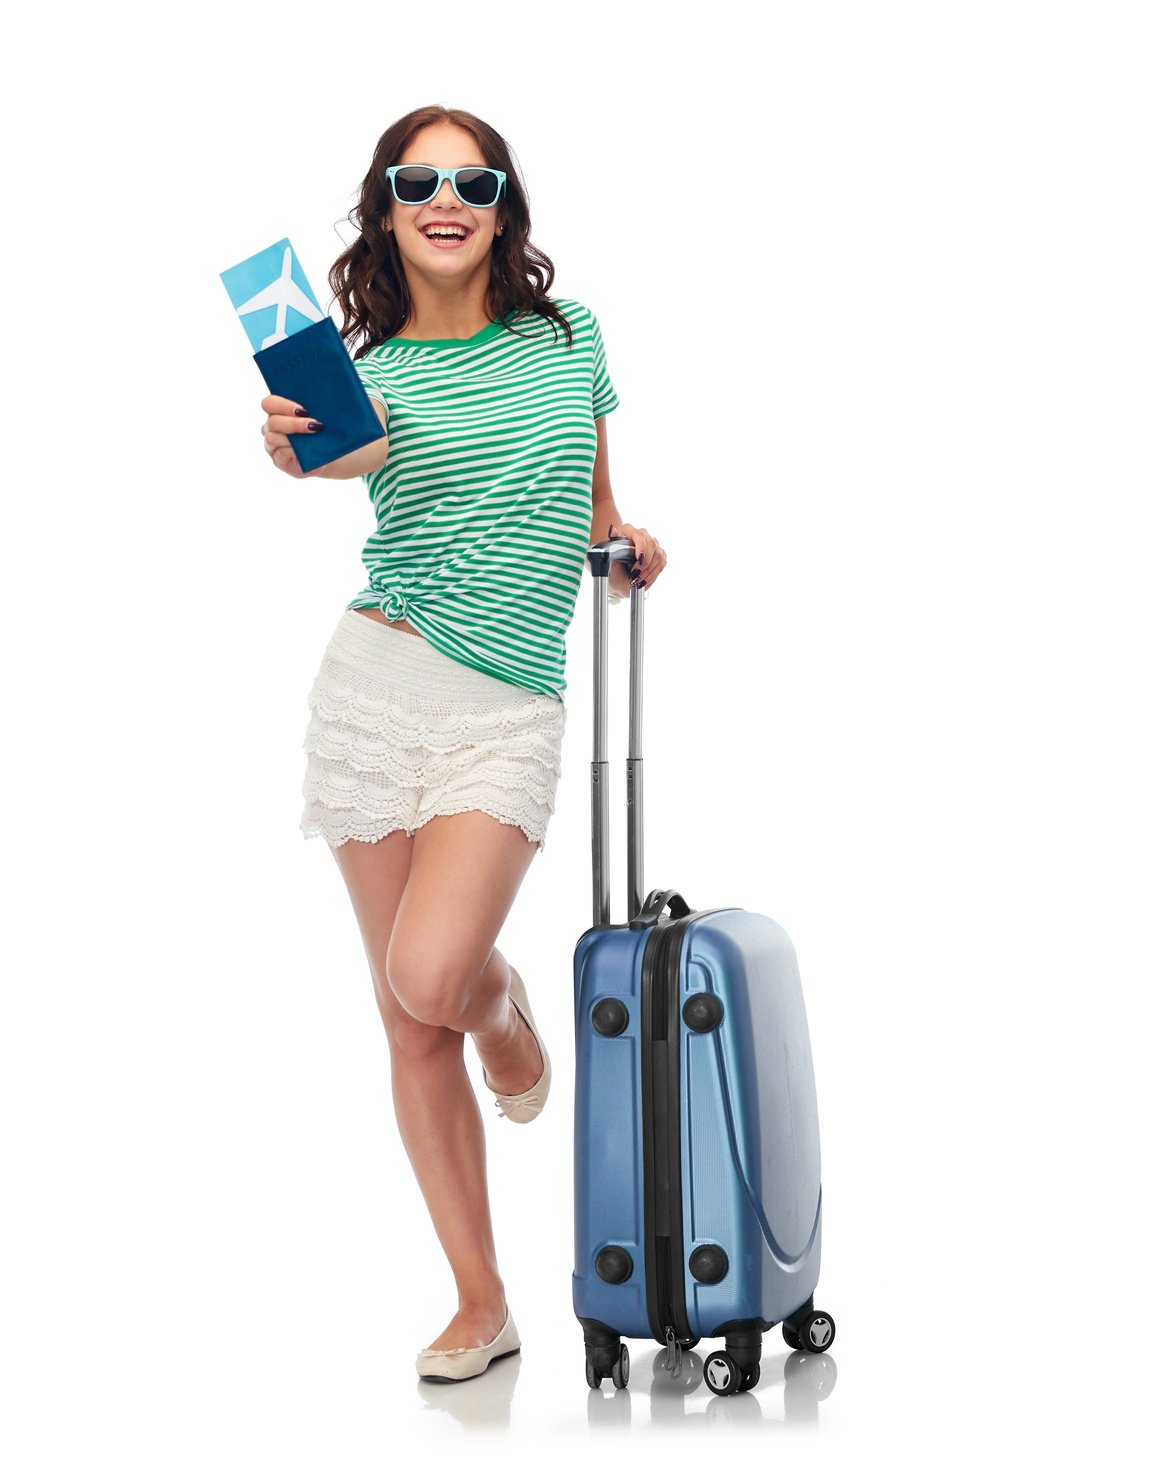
(600, 558)
(652, 909)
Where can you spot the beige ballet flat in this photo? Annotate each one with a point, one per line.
(527, 1105)
(460, 1363)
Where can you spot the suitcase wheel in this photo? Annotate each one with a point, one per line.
(815, 1333)
(721, 1374)
(726, 1373)
(607, 1362)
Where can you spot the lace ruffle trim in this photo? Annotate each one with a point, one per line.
(338, 786)
(383, 723)
(336, 826)
(358, 702)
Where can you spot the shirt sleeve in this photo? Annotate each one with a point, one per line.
(370, 378)
(603, 395)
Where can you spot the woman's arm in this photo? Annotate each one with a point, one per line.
(604, 512)
(606, 521)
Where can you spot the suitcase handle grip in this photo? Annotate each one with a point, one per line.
(601, 556)
(653, 907)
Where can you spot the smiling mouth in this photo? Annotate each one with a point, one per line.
(446, 236)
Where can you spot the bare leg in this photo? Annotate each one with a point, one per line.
(430, 907)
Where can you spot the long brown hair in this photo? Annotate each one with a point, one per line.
(368, 279)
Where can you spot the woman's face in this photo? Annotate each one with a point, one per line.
(445, 256)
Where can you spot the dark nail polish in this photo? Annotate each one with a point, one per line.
(299, 412)
(642, 584)
(315, 425)
(641, 558)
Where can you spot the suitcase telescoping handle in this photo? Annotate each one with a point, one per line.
(601, 556)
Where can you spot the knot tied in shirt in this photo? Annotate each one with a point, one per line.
(395, 607)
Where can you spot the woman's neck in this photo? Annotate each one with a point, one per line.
(443, 311)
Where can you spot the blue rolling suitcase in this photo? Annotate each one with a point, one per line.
(698, 1205)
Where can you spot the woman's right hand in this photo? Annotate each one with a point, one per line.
(285, 416)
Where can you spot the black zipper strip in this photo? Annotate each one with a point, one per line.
(662, 1174)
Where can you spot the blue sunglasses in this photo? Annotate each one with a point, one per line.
(416, 184)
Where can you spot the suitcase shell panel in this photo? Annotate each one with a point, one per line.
(749, 1138)
(748, 1124)
(609, 1129)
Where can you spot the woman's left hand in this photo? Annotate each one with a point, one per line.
(650, 559)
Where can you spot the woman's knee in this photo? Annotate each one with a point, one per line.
(433, 987)
(407, 1034)
(412, 1039)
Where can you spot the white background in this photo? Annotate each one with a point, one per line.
(873, 285)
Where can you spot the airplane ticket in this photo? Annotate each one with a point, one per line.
(271, 295)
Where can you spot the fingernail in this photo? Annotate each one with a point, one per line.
(641, 558)
(315, 425)
(642, 584)
(299, 412)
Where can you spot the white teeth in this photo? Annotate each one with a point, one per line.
(450, 232)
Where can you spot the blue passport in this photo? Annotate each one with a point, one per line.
(301, 355)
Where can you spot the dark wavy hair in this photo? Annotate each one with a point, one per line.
(368, 279)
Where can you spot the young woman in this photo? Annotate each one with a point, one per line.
(438, 711)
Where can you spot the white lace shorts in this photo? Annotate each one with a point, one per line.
(400, 733)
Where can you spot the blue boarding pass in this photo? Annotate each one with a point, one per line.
(271, 295)
(302, 355)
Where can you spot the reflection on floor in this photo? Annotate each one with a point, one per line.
(791, 1387)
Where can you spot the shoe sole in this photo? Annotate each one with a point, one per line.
(439, 1378)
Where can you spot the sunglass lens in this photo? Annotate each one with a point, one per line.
(477, 186)
(414, 184)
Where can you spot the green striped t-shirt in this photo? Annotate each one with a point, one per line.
(483, 509)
